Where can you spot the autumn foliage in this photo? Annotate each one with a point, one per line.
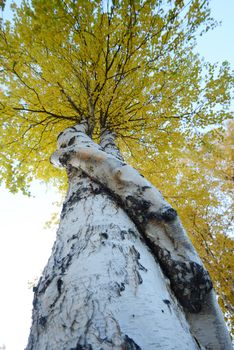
(129, 66)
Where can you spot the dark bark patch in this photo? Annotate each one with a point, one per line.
(168, 303)
(59, 285)
(137, 204)
(72, 238)
(104, 235)
(72, 141)
(74, 198)
(137, 257)
(81, 193)
(189, 281)
(64, 159)
(137, 208)
(122, 287)
(145, 187)
(197, 342)
(132, 232)
(166, 214)
(140, 280)
(43, 284)
(66, 261)
(79, 132)
(35, 301)
(82, 347)
(141, 267)
(42, 321)
(135, 252)
(123, 233)
(97, 190)
(129, 344)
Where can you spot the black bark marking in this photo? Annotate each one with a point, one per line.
(81, 193)
(135, 252)
(123, 233)
(137, 257)
(168, 303)
(97, 190)
(64, 159)
(145, 187)
(119, 288)
(66, 261)
(141, 267)
(140, 280)
(189, 281)
(166, 214)
(132, 232)
(59, 285)
(129, 344)
(42, 321)
(122, 286)
(137, 208)
(71, 141)
(82, 347)
(35, 301)
(199, 345)
(104, 235)
(72, 238)
(43, 284)
(60, 134)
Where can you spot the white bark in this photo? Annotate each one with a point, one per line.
(102, 287)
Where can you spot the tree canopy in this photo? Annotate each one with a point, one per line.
(125, 65)
(129, 66)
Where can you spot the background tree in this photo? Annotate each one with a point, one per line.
(62, 61)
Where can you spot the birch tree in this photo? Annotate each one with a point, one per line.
(104, 77)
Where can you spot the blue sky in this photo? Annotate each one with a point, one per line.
(25, 245)
(218, 44)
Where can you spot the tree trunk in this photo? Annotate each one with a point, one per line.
(105, 284)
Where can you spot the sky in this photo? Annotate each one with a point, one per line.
(25, 244)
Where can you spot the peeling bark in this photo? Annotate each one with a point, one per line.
(120, 258)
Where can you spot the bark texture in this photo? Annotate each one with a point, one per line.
(123, 273)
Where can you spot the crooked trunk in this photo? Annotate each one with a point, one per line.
(103, 288)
